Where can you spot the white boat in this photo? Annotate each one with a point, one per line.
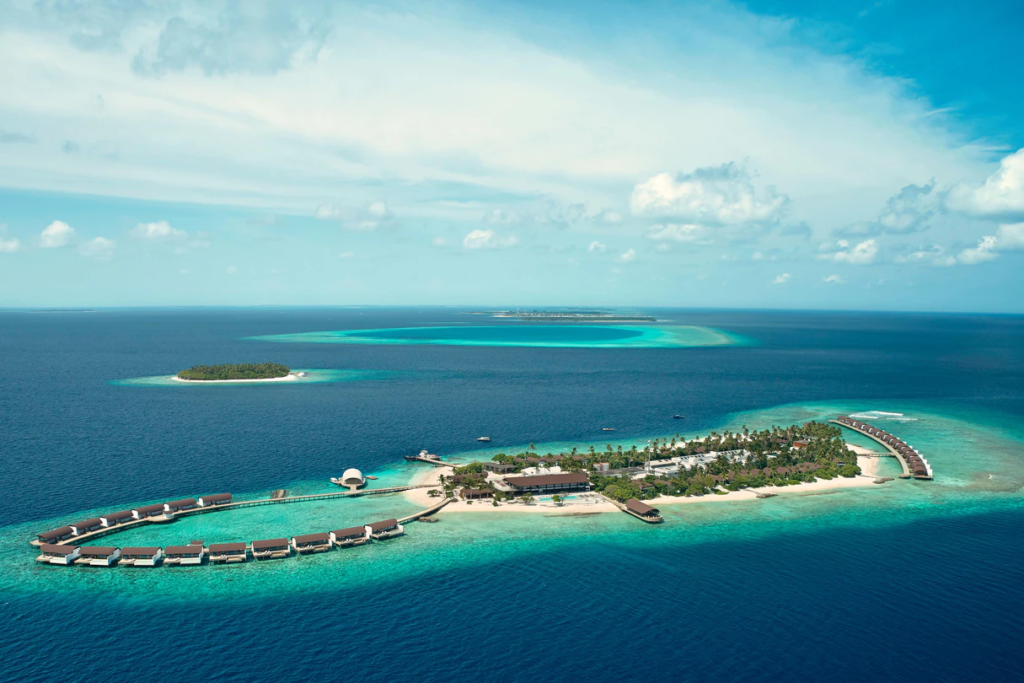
(484, 439)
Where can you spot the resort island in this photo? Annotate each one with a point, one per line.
(241, 372)
(727, 466)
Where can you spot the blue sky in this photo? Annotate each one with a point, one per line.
(766, 154)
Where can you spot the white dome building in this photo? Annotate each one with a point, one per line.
(353, 479)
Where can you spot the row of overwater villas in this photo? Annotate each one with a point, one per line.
(918, 465)
(197, 552)
(145, 512)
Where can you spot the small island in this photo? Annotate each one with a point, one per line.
(239, 372)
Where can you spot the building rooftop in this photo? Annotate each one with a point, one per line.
(548, 479)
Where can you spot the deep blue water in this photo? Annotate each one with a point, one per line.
(938, 599)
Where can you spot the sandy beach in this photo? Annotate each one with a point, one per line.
(290, 377)
(593, 503)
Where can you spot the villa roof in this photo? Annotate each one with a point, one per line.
(123, 514)
(57, 549)
(146, 509)
(349, 532)
(182, 503)
(226, 547)
(56, 533)
(140, 550)
(182, 549)
(95, 521)
(270, 543)
(98, 550)
(217, 497)
(548, 479)
(312, 538)
(383, 526)
(640, 508)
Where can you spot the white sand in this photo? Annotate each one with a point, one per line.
(290, 377)
(869, 468)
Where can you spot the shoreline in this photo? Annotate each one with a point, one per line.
(290, 377)
(869, 472)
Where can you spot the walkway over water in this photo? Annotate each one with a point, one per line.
(171, 516)
(913, 464)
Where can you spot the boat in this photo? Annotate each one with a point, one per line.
(370, 476)
(485, 439)
(678, 417)
(607, 429)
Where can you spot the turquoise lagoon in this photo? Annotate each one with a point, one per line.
(977, 456)
(551, 336)
(311, 377)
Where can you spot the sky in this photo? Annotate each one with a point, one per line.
(862, 155)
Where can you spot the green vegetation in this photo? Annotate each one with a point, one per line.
(471, 468)
(772, 457)
(239, 371)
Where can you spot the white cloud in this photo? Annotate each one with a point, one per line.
(861, 255)
(99, 248)
(596, 246)
(1010, 236)
(907, 211)
(159, 230)
(494, 111)
(368, 218)
(717, 195)
(231, 270)
(56, 234)
(438, 241)
(677, 232)
(833, 280)
(9, 246)
(781, 279)
(488, 239)
(985, 251)
(934, 255)
(1001, 195)
(628, 256)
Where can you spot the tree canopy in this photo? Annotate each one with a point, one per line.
(238, 371)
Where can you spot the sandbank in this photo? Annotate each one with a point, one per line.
(290, 377)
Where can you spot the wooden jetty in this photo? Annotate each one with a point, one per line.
(638, 509)
(170, 516)
(914, 466)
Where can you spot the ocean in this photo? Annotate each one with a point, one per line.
(910, 580)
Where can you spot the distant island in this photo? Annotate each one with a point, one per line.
(240, 371)
(571, 315)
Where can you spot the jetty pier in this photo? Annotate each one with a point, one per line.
(913, 463)
(67, 552)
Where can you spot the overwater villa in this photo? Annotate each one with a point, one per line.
(346, 538)
(99, 556)
(184, 554)
(56, 535)
(142, 556)
(85, 527)
(145, 511)
(115, 518)
(215, 499)
(643, 511)
(547, 483)
(58, 554)
(179, 505)
(312, 543)
(389, 528)
(228, 552)
(272, 548)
